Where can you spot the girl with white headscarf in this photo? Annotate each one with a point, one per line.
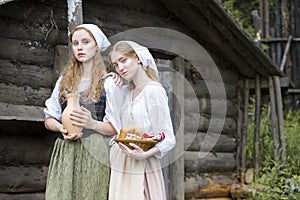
(79, 165)
(137, 174)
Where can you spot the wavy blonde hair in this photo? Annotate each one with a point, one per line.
(73, 72)
(125, 49)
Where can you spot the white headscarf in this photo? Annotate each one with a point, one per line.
(99, 36)
(144, 55)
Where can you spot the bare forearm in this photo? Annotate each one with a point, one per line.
(52, 124)
(104, 128)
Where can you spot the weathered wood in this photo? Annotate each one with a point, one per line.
(229, 127)
(23, 179)
(284, 83)
(21, 112)
(211, 192)
(27, 51)
(176, 191)
(285, 54)
(75, 16)
(244, 131)
(17, 150)
(201, 90)
(239, 131)
(194, 142)
(206, 106)
(60, 61)
(257, 122)
(17, 30)
(25, 196)
(37, 14)
(280, 117)
(274, 120)
(23, 95)
(212, 162)
(25, 75)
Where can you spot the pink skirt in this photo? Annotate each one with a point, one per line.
(134, 179)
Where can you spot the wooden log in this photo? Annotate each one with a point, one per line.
(23, 95)
(213, 191)
(60, 61)
(280, 117)
(200, 88)
(21, 112)
(42, 32)
(23, 179)
(239, 130)
(222, 162)
(75, 15)
(274, 129)
(16, 150)
(37, 13)
(194, 142)
(176, 190)
(27, 51)
(206, 106)
(257, 123)
(25, 196)
(22, 74)
(244, 131)
(229, 127)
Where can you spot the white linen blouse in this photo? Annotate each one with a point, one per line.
(149, 110)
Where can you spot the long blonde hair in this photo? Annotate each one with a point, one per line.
(73, 72)
(125, 49)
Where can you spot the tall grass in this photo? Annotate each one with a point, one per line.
(275, 177)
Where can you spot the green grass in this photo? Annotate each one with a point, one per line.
(274, 176)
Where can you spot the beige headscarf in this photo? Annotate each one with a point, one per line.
(144, 55)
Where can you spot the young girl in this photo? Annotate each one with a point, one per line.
(79, 165)
(137, 174)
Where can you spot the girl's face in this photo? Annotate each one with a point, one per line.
(126, 66)
(83, 45)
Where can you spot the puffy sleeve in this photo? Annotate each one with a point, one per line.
(114, 102)
(53, 107)
(159, 112)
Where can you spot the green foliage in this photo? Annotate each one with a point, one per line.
(241, 11)
(277, 182)
(274, 176)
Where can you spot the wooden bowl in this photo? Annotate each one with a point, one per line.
(144, 144)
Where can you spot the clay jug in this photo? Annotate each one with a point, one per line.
(72, 104)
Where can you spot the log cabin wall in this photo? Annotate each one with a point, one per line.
(31, 35)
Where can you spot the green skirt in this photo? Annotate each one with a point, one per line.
(79, 170)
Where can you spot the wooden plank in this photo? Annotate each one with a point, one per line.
(23, 179)
(22, 74)
(23, 95)
(21, 112)
(212, 162)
